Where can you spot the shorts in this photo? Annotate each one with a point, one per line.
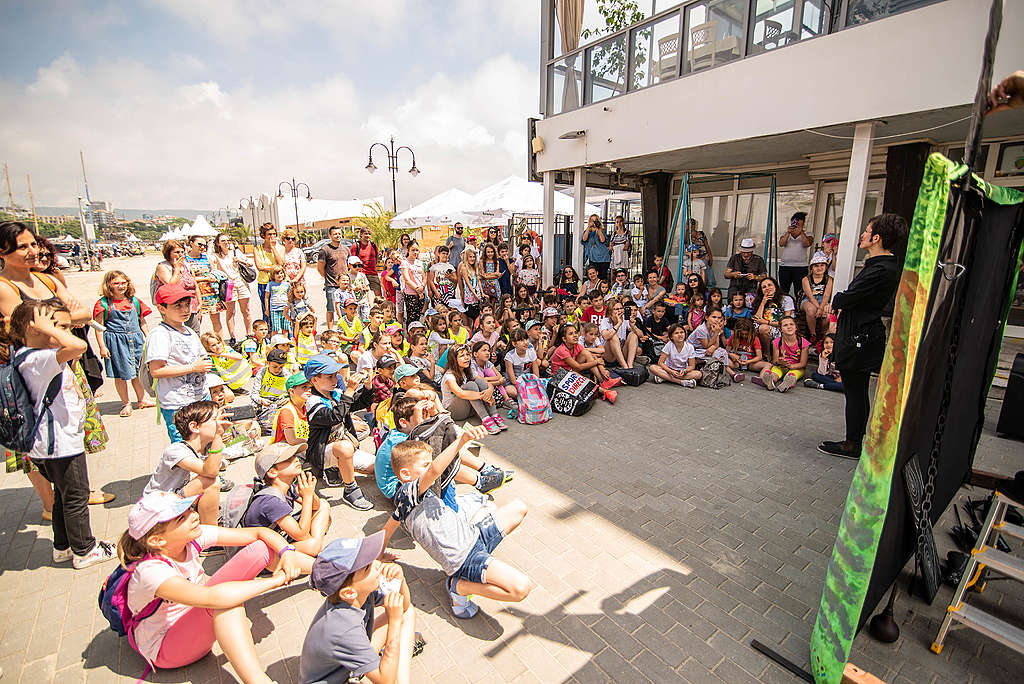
(474, 568)
(331, 293)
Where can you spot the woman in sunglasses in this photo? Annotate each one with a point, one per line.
(198, 262)
(294, 258)
(269, 255)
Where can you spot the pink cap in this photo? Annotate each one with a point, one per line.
(153, 508)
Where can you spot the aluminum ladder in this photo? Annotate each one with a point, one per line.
(985, 556)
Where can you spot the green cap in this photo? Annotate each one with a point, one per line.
(296, 380)
(532, 322)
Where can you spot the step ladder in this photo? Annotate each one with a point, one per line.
(985, 556)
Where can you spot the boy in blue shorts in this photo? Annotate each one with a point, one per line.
(461, 547)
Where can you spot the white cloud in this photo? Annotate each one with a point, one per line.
(153, 141)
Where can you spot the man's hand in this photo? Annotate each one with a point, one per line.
(1009, 93)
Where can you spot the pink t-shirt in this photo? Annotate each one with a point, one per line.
(561, 353)
(147, 578)
(491, 340)
(791, 354)
(412, 276)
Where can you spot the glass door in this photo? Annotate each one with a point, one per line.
(828, 218)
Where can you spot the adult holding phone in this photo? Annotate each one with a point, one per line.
(595, 246)
(860, 334)
(793, 257)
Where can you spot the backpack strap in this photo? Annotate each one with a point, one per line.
(137, 303)
(48, 398)
(105, 303)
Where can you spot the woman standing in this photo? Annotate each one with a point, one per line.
(703, 249)
(469, 284)
(294, 257)
(413, 283)
(225, 258)
(860, 335)
(268, 256)
(46, 260)
(206, 283)
(174, 269)
(401, 252)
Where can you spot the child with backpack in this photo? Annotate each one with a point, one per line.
(176, 359)
(789, 358)
(171, 611)
(283, 485)
(255, 347)
(200, 453)
(120, 345)
(56, 437)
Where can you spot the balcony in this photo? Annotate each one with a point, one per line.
(713, 33)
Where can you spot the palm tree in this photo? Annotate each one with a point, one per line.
(378, 220)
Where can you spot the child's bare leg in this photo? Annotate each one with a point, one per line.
(122, 390)
(208, 489)
(510, 390)
(504, 583)
(693, 375)
(231, 627)
(632, 342)
(810, 313)
(664, 373)
(43, 489)
(339, 455)
(613, 351)
(140, 394)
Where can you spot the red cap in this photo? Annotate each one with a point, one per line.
(170, 293)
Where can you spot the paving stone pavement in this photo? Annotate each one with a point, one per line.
(664, 534)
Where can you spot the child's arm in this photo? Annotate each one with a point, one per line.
(805, 285)
(758, 353)
(159, 368)
(826, 308)
(449, 454)
(69, 346)
(104, 352)
(299, 529)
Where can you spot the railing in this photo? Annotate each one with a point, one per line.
(712, 33)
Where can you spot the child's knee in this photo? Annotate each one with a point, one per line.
(518, 509)
(520, 588)
(342, 449)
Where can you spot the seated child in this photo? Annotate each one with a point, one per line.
(163, 544)
(331, 453)
(696, 314)
(305, 338)
(227, 363)
(521, 358)
(279, 470)
(419, 356)
(569, 353)
(744, 348)
(462, 549)
(680, 303)
(271, 392)
(827, 375)
(201, 426)
(620, 286)
(737, 310)
(592, 340)
(789, 358)
(351, 327)
(345, 642)
(484, 368)
(639, 292)
(255, 347)
(286, 345)
(383, 382)
(241, 437)
(678, 360)
(398, 341)
(657, 325)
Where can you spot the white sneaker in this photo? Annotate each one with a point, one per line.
(689, 383)
(101, 553)
(787, 383)
(656, 380)
(62, 556)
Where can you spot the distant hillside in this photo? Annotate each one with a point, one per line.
(130, 214)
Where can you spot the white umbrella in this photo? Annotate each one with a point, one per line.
(517, 196)
(440, 210)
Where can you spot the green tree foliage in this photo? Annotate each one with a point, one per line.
(610, 59)
(378, 220)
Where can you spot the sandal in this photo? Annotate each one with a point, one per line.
(145, 404)
(97, 498)
(126, 410)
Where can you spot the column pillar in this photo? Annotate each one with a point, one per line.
(853, 206)
(580, 217)
(547, 256)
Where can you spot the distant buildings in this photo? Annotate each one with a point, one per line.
(103, 213)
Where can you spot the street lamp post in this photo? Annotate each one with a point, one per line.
(250, 205)
(294, 188)
(392, 153)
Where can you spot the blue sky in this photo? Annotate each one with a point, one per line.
(196, 103)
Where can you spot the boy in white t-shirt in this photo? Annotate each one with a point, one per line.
(44, 333)
(177, 360)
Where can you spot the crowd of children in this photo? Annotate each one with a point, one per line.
(468, 334)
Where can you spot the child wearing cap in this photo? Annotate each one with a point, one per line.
(164, 540)
(398, 341)
(345, 642)
(328, 410)
(383, 382)
(287, 345)
(285, 484)
(350, 326)
(290, 424)
(201, 425)
(463, 550)
(227, 363)
(271, 391)
(175, 356)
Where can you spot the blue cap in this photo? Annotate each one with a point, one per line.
(321, 364)
(341, 558)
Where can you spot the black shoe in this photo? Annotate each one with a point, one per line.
(842, 449)
(332, 476)
(226, 485)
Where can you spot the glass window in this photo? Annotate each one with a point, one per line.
(566, 84)
(863, 11)
(751, 220)
(714, 32)
(773, 24)
(714, 217)
(655, 52)
(812, 20)
(1011, 160)
(834, 215)
(606, 69)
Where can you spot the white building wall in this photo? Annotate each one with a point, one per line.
(928, 58)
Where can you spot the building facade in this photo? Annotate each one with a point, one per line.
(839, 109)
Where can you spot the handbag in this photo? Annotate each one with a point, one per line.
(247, 272)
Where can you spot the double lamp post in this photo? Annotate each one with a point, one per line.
(392, 153)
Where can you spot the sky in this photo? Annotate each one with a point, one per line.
(198, 103)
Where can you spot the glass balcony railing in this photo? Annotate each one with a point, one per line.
(713, 32)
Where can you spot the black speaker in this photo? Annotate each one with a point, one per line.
(1011, 418)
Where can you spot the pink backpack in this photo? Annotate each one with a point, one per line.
(534, 406)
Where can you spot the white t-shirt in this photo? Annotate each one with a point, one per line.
(793, 253)
(168, 477)
(678, 359)
(147, 578)
(521, 364)
(176, 348)
(622, 331)
(366, 362)
(68, 408)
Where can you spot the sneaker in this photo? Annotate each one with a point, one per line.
(688, 383)
(417, 645)
(656, 379)
(101, 553)
(757, 380)
(738, 378)
(491, 425)
(332, 476)
(813, 384)
(610, 396)
(642, 360)
(462, 606)
(787, 383)
(226, 485)
(63, 556)
(610, 383)
(353, 496)
(769, 380)
(492, 478)
(500, 423)
(842, 449)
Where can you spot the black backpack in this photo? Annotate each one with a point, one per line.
(571, 393)
(19, 422)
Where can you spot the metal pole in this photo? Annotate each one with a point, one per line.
(32, 201)
(295, 201)
(393, 165)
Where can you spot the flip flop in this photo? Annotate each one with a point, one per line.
(126, 410)
(96, 498)
(145, 405)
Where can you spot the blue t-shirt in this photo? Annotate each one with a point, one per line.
(337, 645)
(267, 508)
(387, 481)
(596, 251)
(731, 316)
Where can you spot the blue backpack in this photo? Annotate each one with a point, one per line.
(19, 422)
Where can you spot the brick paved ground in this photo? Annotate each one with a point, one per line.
(664, 534)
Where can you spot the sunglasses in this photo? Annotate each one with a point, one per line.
(44, 255)
(202, 245)
(289, 238)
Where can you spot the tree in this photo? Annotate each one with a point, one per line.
(610, 59)
(378, 220)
